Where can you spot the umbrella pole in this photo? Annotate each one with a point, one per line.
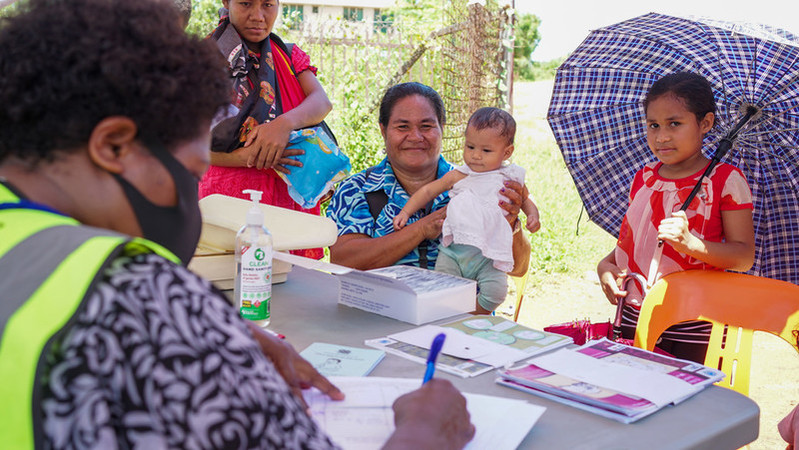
(724, 146)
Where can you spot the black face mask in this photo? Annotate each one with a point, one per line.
(175, 227)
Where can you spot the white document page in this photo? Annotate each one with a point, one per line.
(659, 388)
(309, 263)
(462, 345)
(365, 419)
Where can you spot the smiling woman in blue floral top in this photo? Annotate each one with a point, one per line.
(411, 120)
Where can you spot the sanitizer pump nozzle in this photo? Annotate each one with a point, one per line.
(254, 216)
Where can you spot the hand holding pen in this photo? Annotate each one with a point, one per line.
(433, 416)
(435, 349)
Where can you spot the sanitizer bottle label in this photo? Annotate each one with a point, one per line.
(256, 282)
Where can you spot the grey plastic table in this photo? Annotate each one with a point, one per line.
(305, 308)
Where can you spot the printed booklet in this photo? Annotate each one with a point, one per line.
(507, 332)
(474, 345)
(339, 360)
(613, 380)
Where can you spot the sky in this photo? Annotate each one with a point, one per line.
(565, 23)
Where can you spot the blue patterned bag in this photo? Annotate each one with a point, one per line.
(323, 165)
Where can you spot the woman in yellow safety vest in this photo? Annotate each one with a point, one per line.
(106, 339)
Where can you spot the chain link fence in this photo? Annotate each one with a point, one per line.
(466, 56)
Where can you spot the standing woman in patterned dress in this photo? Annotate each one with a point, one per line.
(276, 92)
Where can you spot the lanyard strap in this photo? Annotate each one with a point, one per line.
(27, 204)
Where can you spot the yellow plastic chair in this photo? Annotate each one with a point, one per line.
(521, 283)
(736, 305)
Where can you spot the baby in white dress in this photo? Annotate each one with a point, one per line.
(477, 239)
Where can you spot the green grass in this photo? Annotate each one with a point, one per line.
(557, 248)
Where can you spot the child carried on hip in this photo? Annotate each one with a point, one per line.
(477, 238)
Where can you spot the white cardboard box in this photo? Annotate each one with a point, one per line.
(405, 293)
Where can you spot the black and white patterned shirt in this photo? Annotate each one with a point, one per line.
(157, 358)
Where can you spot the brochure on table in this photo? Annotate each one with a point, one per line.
(613, 380)
(500, 423)
(475, 345)
(341, 360)
(409, 294)
(512, 334)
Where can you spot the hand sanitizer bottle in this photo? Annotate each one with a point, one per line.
(253, 287)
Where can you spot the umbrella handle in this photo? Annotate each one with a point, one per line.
(620, 305)
(654, 266)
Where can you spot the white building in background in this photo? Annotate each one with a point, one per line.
(370, 15)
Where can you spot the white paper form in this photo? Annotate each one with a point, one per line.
(462, 345)
(365, 420)
(500, 423)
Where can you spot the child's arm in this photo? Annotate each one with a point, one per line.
(736, 252)
(531, 211)
(610, 277)
(426, 193)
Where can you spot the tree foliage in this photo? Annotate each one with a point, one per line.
(527, 35)
(354, 74)
(425, 15)
(526, 38)
(10, 7)
(204, 16)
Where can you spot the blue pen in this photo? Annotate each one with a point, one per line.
(438, 342)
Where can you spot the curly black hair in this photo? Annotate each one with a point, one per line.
(68, 64)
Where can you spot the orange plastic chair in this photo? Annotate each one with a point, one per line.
(736, 305)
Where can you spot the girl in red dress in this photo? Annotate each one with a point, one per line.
(715, 232)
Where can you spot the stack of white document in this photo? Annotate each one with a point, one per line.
(610, 379)
(405, 293)
(365, 419)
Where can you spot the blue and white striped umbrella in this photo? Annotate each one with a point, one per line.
(596, 115)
